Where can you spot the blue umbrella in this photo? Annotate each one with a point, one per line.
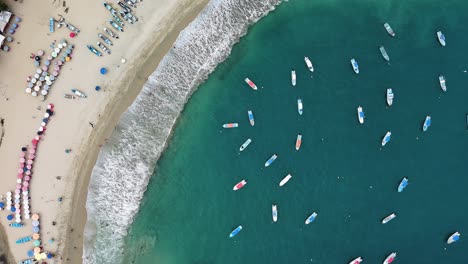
(2, 205)
(13, 209)
(9, 217)
(98, 88)
(50, 255)
(35, 229)
(103, 70)
(30, 253)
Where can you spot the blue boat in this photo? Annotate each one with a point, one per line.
(94, 50)
(51, 25)
(235, 231)
(386, 138)
(355, 66)
(270, 160)
(23, 240)
(251, 118)
(453, 238)
(403, 184)
(427, 123)
(311, 218)
(16, 225)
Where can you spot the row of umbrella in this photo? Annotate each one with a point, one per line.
(12, 31)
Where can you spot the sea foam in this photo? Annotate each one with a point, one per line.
(124, 166)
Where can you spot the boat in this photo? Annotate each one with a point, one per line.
(72, 28)
(467, 121)
(105, 39)
(94, 50)
(293, 77)
(403, 184)
(298, 141)
(116, 26)
(125, 7)
(246, 143)
(235, 231)
(356, 260)
(388, 218)
(118, 20)
(69, 96)
(23, 240)
(390, 96)
(251, 118)
(274, 213)
(360, 115)
(239, 185)
(355, 65)
(441, 38)
(111, 33)
(427, 123)
(390, 258)
(79, 93)
(16, 225)
(386, 138)
(285, 180)
(230, 125)
(309, 64)
(250, 83)
(104, 48)
(389, 29)
(28, 261)
(270, 160)
(311, 218)
(299, 106)
(453, 238)
(443, 86)
(384, 53)
(127, 16)
(51, 25)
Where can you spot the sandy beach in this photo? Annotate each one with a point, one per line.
(81, 125)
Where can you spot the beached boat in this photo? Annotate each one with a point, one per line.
(355, 65)
(23, 240)
(116, 26)
(390, 258)
(309, 64)
(104, 48)
(235, 231)
(388, 218)
(105, 39)
(384, 53)
(453, 238)
(51, 25)
(285, 180)
(441, 38)
(16, 225)
(270, 160)
(111, 33)
(251, 117)
(298, 141)
(231, 125)
(390, 96)
(69, 96)
(386, 138)
(250, 83)
(239, 185)
(389, 29)
(246, 143)
(443, 86)
(356, 260)
(125, 7)
(79, 93)
(403, 184)
(118, 20)
(360, 115)
(274, 213)
(427, 123)
(28, 261)
(293, 77)
(299, 106)
(311, 218)
(94, 50)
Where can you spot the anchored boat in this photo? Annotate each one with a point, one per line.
(403, 184)
(355, 66)
(285, 180)
(274, 213)
(309, 64)
(356, 260)
(311, 218)
(441, 38)
(251, 118)
(389, 29)
(360, 114)
(298, 141)
(427, 123)
(443, 86)
(293, 77)
(390, 96)
(388, 218)
(390, 258)
(239, 185)
(386, 138)
(384, 53)
(270, 160)
(453, 238)
(235, 231)
(230, 125)
(250, 83)
(246, 143)
(299, 106)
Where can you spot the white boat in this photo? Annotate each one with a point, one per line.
(386, 138)
(231, 125)
(390, 96)
(246, 143)
(390, 258)
(239, 185)
(251, 117)
(79, 93)
(453, 238)
(355, 65)
(384, 53)
(270, 160)
(299, 106)
(309, 64)
(441, 38)
(285, 180)
(293, 77)
(427, 123)
(311, 218)
(389, 29)
(360, 114)
(356, 260)
(388, 218)
(443, 86)
(298, 141)
(274, 213)
(250, 83)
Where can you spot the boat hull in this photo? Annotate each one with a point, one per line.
(274, 213)
(235, 231)
(240, 185)
(285, 180)
(298, 142)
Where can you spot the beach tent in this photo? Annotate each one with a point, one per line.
(4, 19)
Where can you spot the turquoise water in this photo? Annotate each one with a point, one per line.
(341, 171)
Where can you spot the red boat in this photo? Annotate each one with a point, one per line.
(251, 84)
(239, 185)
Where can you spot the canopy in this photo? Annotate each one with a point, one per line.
(4, 19)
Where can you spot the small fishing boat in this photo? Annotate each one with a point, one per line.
(384, 53)
(298, 141)
(443, 86)
(239, 185)
(251, 117)
(441, 38)
(28, 261)
(453, 238)
(274, 213)
(111, 33)
(293, 77)
(125, 7)
(230, 125)
(246, 143)
(72, 28)
(270, 160)
(79, 93)
(299, 106)
(116, 26)
(94, 50)
(105, 39)
(390, 258)
(356, 260)
(235, 231)
(403, 184)
(16, 225)
(389, 29)
(386, 138)
(69, 96)
(390, 96)
(118, 21)
(104, 48)
(355, 65)
(309, 64)
(427, 123)
(360, 115)
(51, 25)
(23, 240)
(250, 83)
(311, 218)
(285, 180)
(388, 218)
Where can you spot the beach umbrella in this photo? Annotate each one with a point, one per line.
(17, 196)
(54, 54)
(31, 253)
(33, 80)
(25, 184)
(6, 48)
(35, 229)
(36, 63)
(57, 50)
(26, 206)
(9, 217)
(50, 106)
(29, 167)
(40, 53)
(37, 250)
(103, 70)
(55, 73)
(37, 88)
(49, 82)
(22, 154)
(22, 160)
(50, 255)
(35, 217)
(72, 34)
(34, 94)
(28, 172)
(39, 71)
(34, 142)
(30, 85)
(37, 58)
(18, 180)
(36, 243)
(45, 74)
(31, 156)
(59, 63)
(17, 191)
(17, 19)
(98, 88)
(14, 26)
(36, 76)
(35, 236)
(44, 92)
(35, 223)
(60, 45)
(67, 58)
(2, 205)
(8, 194)
(9, 39)
(52, 78)
(11, 31)
(44, 68)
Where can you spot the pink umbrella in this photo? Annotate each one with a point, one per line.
(22, 160)
(50, 106)
(20, 171)
(49, 57)
(30, 162)
(37, 138)
(28, 173)
(22, 154)
(57, 68)
(55, 73)
(40, 53)
(44, 68)
(31, 156)
(32, 151)
(18, 188)
(27, 178)
(34, 142)
(60, 63)
(25, 184)
(21, 165)
(29, 167)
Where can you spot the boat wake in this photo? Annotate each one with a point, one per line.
(124, 166)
